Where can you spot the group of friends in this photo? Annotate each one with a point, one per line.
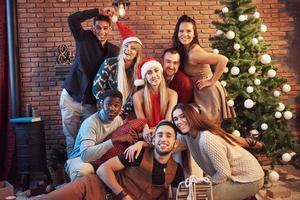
(182, 100)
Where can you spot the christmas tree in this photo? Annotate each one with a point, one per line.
(251, 81)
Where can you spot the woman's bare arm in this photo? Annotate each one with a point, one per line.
(172, 101)
(197, 55)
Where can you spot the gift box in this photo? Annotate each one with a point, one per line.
(6, 189)
(194, 188)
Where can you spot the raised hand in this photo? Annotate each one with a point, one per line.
(132, 152)
(121, 111)
(108, 11)
(148, 134)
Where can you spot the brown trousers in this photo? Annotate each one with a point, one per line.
(87, 187)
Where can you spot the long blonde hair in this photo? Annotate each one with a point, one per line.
(126, 84)
(163, 91)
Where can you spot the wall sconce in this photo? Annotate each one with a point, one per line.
(121, 5)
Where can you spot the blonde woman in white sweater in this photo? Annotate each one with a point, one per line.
(234, 172)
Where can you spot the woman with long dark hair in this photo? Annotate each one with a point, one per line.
(209, 95)
(235, 173)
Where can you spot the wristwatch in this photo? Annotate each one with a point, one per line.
(121, 195)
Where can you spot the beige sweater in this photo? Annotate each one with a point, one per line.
(221, 160)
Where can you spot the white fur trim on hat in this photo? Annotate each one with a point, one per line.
(139, 82)
(132, 39)
(114, 19)
(149, 65)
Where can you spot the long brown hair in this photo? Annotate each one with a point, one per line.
(177, 44)
(200, 123)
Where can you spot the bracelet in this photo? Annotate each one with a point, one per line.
(121, 195)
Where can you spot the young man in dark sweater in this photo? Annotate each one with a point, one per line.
(92, 48)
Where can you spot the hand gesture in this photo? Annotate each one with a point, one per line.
(148, 134)
(200, 84)
(121, 111)
(108, 11)
(132, 152)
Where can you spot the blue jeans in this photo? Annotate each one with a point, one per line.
(73, 113)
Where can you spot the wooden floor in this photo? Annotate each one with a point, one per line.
(287, 188)
(289, 183)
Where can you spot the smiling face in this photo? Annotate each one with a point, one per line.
(154, 76)
(180, 121)
(112, 107)
(102, 30)
(130, 51)
(171, 64)
(164, 139)
(186, 33)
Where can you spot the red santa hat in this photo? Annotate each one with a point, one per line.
(127, 34)
(147, 64)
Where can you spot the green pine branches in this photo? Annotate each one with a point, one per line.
(251, 80)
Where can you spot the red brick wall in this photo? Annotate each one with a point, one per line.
(43, 26)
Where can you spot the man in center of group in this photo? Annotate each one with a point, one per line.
(175, 78)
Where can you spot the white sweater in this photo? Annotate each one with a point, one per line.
(221, 160)
(90, 144)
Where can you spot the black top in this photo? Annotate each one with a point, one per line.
(89, 55)
(158, 172)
